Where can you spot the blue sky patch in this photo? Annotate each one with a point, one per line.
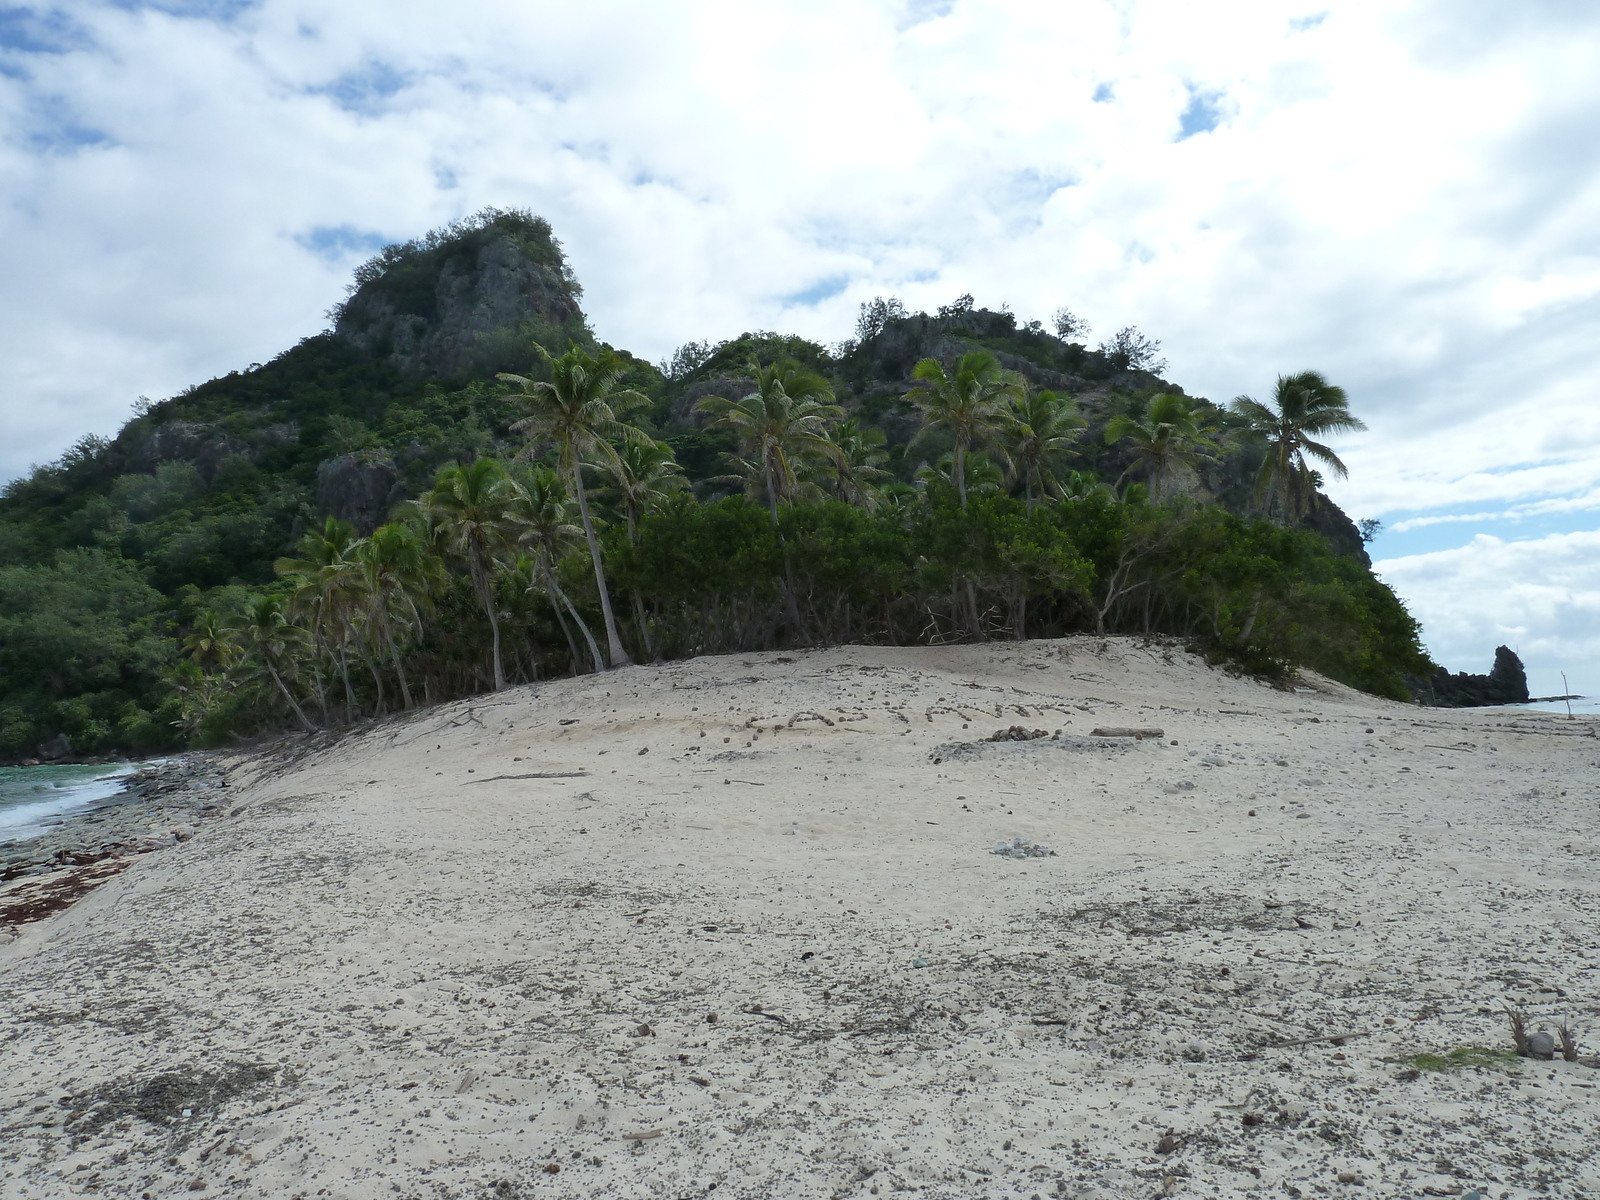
(365, 91)
(919, 12)
(210, 10)
(1202, 116)
(334, 243)
(1301, 24)
(39, 31)
(1465, 522)
(823, 289)
(1103, 94)
(52, 128)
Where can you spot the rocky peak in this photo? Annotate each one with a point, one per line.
(467, 298)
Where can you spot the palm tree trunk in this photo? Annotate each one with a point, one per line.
(483, 585)
(349, 692)
(619, 656)
(387, 631)
(644, 626)
(566, 632)
(405, 686)
(300, 713)
(561, 597)
(961, 472)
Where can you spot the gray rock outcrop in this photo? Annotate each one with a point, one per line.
(360, 488)
(471, 300)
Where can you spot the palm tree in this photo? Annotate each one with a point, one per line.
(783, 421)
(1303, 406)
(211, 646)
(1037, 428)
(325, 597)
(856, 468)
(984, 476)
(545, 516)
(579, 410)
(473, 510)
(643, 474)
(1169, 435)
(969, 403)
(396, 571)
(273, 643)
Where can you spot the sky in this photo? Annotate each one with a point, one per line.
(1401, 195)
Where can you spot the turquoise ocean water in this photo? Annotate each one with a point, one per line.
(31, 796)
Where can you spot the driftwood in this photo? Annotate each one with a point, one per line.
(1111, 731)
(534, 775)
(1338, 1039)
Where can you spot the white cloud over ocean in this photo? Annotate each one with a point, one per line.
(1403, 195)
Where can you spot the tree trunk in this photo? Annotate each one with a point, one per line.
(561, 597)
(644, 626)
(349, 692)
(300, 713)
(483, 585)
(961, 472)
(619, 656)
(394, 657)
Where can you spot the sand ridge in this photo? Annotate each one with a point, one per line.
(735, 925)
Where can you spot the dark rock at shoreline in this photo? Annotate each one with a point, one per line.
(160, 806)
(1506, 683)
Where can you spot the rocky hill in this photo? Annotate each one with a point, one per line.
(108, 554)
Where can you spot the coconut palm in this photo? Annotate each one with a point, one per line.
(970, 403)
(211, 646)
(327, 591)
(580, 411)
(784, 421)
(1035, 431)
(1303, 406)
(642, 474)
(985, 477)
(1169, 436)
(397, 574)
(273, 644)
(473, 510)
(856, 467)
(546, 530)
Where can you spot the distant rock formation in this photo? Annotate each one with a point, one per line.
(467, 298)
(359, 488)
(1506, 683)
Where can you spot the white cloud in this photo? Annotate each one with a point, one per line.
(1541, 597)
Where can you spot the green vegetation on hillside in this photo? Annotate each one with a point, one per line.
(459, 487)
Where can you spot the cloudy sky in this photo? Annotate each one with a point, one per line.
(1403, 195)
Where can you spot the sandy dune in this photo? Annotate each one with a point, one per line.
(748, 909)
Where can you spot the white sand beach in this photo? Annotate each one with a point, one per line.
(735, 927)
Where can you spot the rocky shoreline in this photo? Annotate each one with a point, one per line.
(160, 806)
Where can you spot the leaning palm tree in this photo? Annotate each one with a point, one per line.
(1035, 431)
(784, 421)
(545, 517)
(274, 645)
(970, 403)
(473, 511)
(1303, 406)
(580, 410)
(1168, 437)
